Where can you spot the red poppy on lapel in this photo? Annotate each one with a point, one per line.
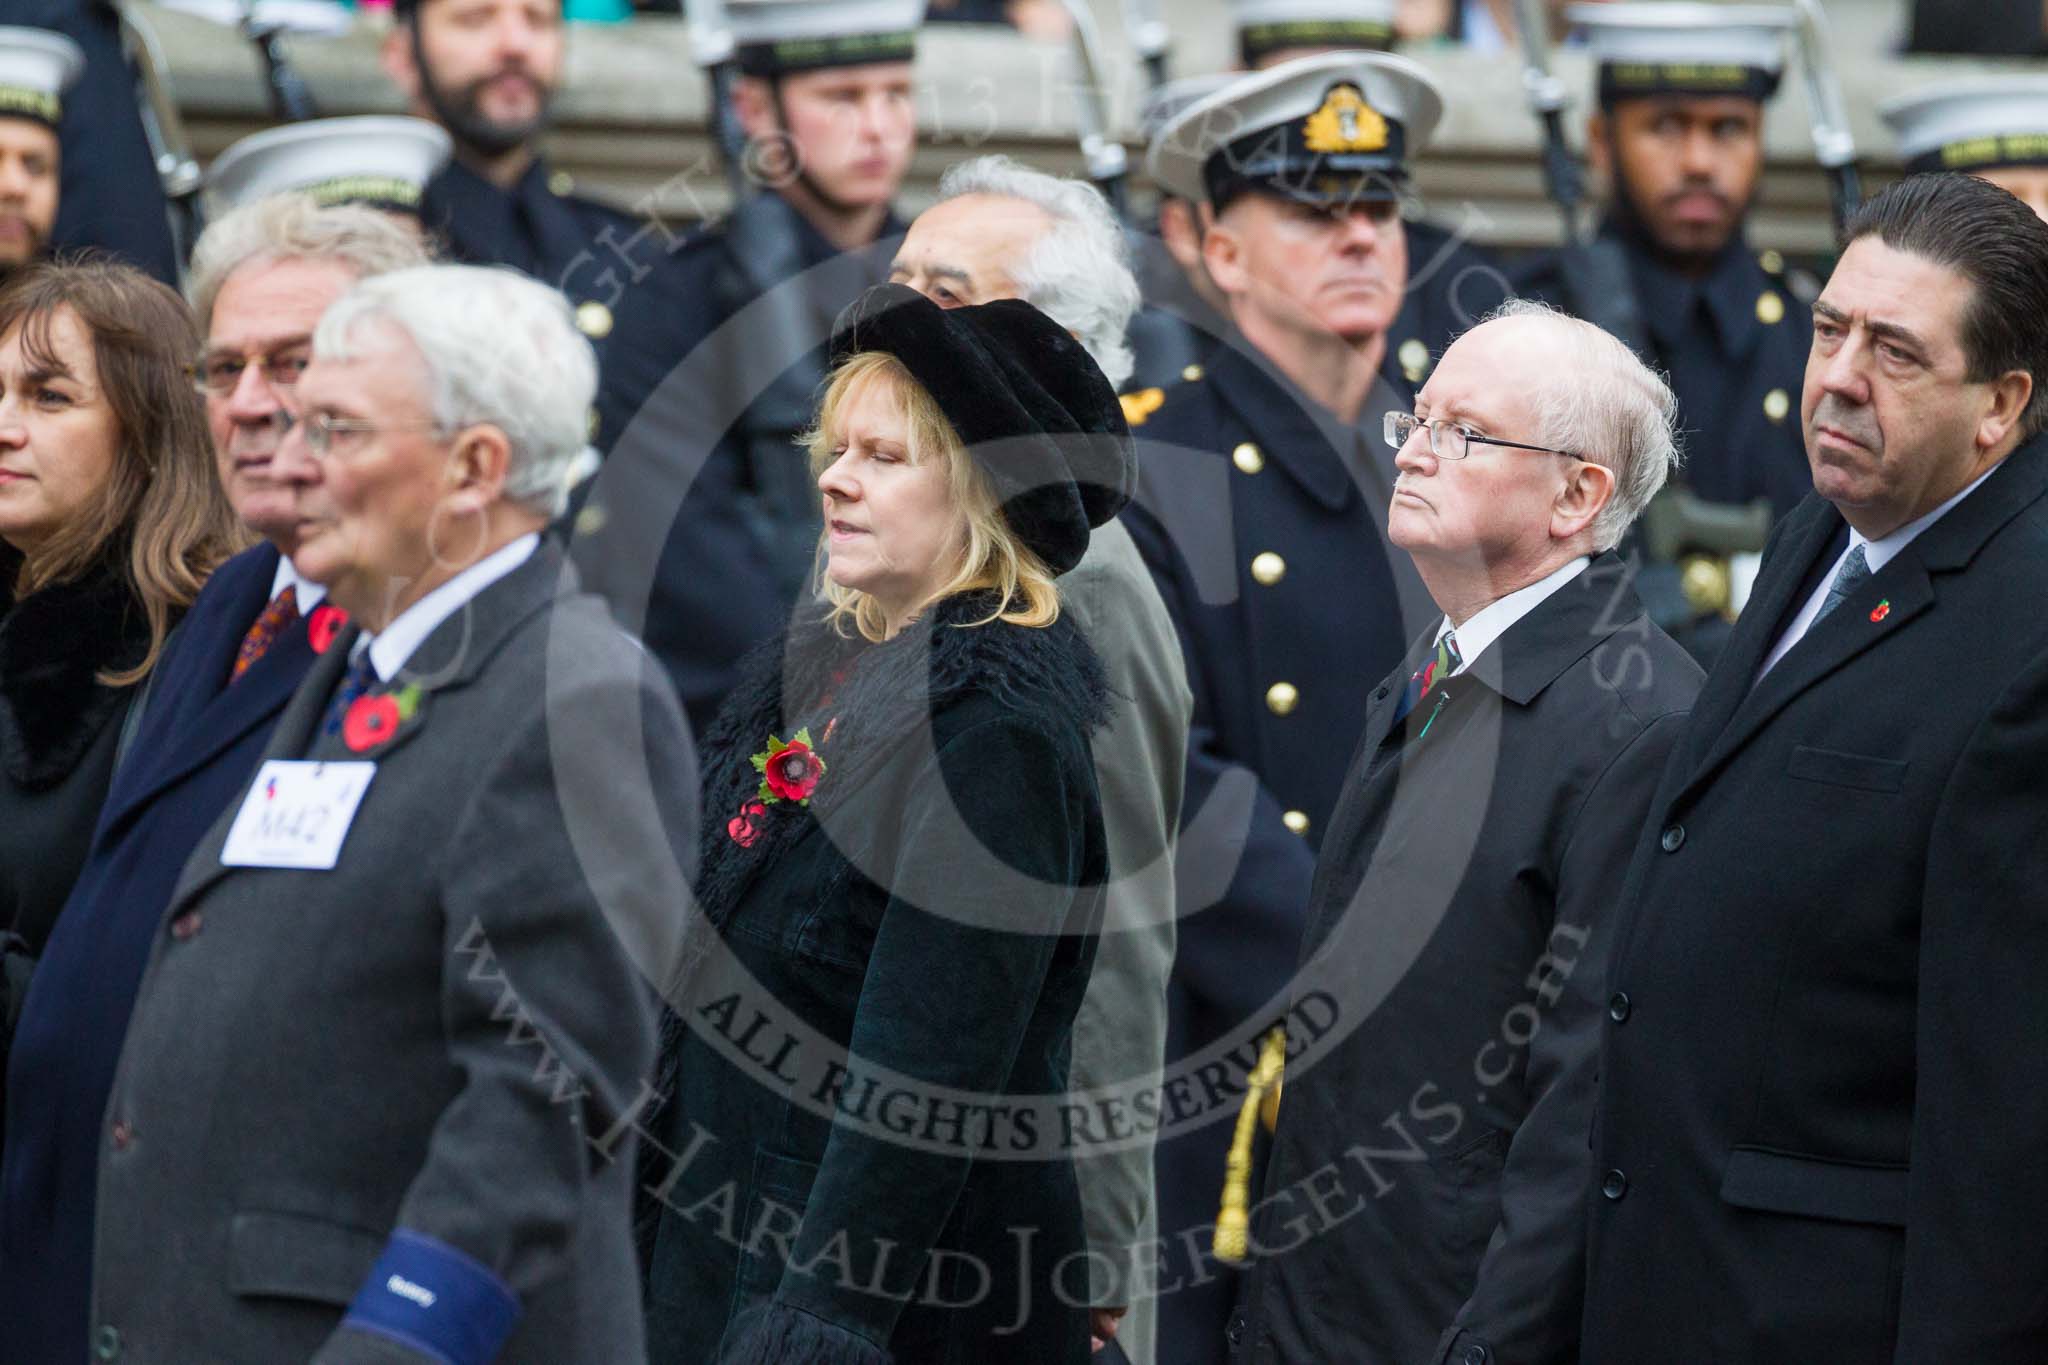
(789, 771)
(373, 721)
(323, 625)
(1881, 610)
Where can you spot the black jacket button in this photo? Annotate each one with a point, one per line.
(1618, 1007)
(1614, 1185)
(1674, 838)
(1475, 1355)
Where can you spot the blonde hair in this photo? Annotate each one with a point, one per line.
(992, 558)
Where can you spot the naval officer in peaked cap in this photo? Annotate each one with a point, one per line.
(1995, 129)
(36, 68)
(1262, 511)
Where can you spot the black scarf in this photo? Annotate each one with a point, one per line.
(54, 644)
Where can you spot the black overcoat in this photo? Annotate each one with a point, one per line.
(1824, 1087)
(1448, 1007)
(933, 914)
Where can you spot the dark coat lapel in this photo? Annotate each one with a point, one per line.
(1731, 711)
(191, 705)
(1289, 433)
(447, 660)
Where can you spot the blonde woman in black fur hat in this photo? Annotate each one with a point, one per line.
(903, 867)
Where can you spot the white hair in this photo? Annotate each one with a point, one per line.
(285, 227)
(1078, 272)
(1607, 406)
(498, 348)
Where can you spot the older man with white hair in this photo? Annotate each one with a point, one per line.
(401, 994)
(261, 277)
(1426, 1198)
(1003, 230)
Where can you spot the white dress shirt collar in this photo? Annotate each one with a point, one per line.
(1494, 619)
(392, 646)
(306, 592)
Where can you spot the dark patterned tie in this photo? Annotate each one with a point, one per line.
(282, 611)
(1445, 662)
(359, 679)
(1848, 578)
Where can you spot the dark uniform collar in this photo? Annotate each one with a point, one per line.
(1730, 291)
(1301, 435)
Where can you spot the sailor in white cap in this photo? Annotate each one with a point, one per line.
(1995, 128)
(825, 99)
(36, 68)
(1679, 136)
(369, 159)
(487, 71)
(1273, 31)
(1262, 512)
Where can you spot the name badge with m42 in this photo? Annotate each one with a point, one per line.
(297, 814)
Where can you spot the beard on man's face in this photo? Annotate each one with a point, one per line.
(20, 240)
(461, 111)
(1673, 222)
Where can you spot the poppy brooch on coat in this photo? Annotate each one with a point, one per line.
(789, 770)
(372, 721)
(323, 625)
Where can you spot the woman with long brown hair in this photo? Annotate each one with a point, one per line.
(111, 516)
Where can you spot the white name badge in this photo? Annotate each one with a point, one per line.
(297, 814)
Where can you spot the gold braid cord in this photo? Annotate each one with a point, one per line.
(1262, 1093)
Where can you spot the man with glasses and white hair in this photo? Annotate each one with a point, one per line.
(261, 277)
(406, 970)
(1003, 230)
(1426, 1195)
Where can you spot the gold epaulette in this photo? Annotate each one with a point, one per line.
(1139, 407)
(1261, 1099)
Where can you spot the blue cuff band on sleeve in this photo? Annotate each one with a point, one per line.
(430, 1296)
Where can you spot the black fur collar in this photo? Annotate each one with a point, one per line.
(871, 697)
(54, 644)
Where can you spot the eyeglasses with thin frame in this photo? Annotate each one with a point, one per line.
(1450, 440)
(218, 373)
(323, 427)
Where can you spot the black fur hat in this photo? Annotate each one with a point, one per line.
(1028, 400)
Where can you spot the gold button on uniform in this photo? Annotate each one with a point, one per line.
(1191, 373)
(1776, 404)
(1770, 308)
(1281, 698)
(593, 319)
(561, 182)
(1268, 569)
(1296, 821)
(1248, 458)
(1773, 262)
(591, 519)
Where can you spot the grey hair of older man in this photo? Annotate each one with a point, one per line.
(1078, 272)
(1608, 406)
(498, 348)
(285, 227)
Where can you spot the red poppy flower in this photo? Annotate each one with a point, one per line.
(792, 772)
(370, 721)
(742, 827)
(1881, 610)
(323, 625)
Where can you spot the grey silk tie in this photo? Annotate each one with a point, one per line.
(1847, 579)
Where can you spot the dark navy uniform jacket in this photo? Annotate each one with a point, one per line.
(703, 396)
(110, 196)
(1262, 518)
(538, 227)
(1734, 345)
